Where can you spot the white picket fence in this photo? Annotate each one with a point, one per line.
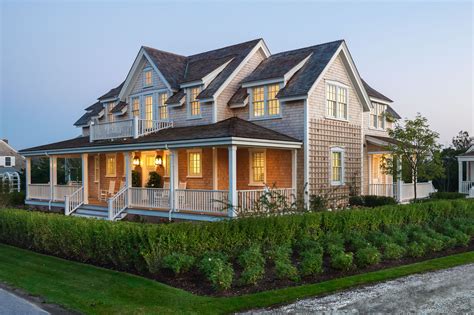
(423, 190)
(465, 187)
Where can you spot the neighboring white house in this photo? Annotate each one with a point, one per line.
(11, 165)
(466, 171)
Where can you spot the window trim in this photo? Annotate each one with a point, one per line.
(374, 111)
(132, 99)
(188, 152)
(162, 105)
(188, 103)
(343, 167)
(115, 165)
(338, 86)
(96, 168)
(145, 70)
(266, 114)
(251, 181)
(5, 161)
(152, 105)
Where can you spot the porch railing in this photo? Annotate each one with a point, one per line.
(248, 200)
(386, 190)
(126, 128)
(118, 203)
(149, 197)
(213, 201)
(465, 186)
(39, 191)
(60, 191)
(73, 200)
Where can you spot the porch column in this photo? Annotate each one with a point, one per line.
(28, 176)
(174, 180)
(53, 175)
(460, 176)
(85, 176)
(294, 175)
(128, 169)
(232, 180)
(214, 169)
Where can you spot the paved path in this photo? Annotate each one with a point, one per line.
(449, 291)
(14, 305)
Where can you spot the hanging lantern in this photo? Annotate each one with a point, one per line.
(136, 160)
(158, 160)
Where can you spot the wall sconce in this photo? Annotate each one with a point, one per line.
(158, 160)
(136, 160)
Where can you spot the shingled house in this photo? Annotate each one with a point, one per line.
(221, 126)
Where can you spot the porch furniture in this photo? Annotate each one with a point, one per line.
(104, 194)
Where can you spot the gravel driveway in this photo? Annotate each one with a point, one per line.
(449, 291)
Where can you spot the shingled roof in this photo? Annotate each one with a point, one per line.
(374, 93)
(113, 93)
(228, 128)
(172, 66)
(119, 107)
(92, 111)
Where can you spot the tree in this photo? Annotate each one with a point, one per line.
(462, 141)
(417, 146)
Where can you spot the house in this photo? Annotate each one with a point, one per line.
(466, 171)
(221, 126)
(11, 165)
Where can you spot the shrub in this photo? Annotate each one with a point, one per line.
(415, 249)
(312, 261)
(367, 256)
(217, 270)
(284, 269)
(398, 235)
(379, 239)
(447, 195)
(357, 201)
(371, 201)
(342, 261)
(253, 263)
(393, 251)
(357, 241)
(178, 263)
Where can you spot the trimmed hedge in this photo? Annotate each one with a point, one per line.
(371, 201)
(137, 246)
(447, 195)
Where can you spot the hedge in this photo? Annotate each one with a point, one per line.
(127, 245)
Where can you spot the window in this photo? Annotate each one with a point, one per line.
(337, 166)
(257, 167)
(96, 168)
(147, 77)
(136, 107)
(149, 107)
(193, 103)
(378, 116)
(163, 109)
(265, 102)
(336, 98)
(110, 115)
(8, 161)
(110, 165)
(194, 163)
(167, 164)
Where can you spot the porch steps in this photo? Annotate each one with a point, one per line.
(95, 212)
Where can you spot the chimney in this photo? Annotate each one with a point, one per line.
(5, 140)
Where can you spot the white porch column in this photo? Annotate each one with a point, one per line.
(232, 180)
(28, 176)
(174, 179)
(128, 169)
(460, 176)
(294, 171)
(53, 175)
(85, 176)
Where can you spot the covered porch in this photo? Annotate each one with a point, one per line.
(466, 173)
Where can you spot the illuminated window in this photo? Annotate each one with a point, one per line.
(136, 107)
(265, 102)
(149, 107)
(336, 101)
(378, 116)
(273, 102)
(258, 101)
(257, 167)
(96, 168)
(110, 115)
(194, 163)
(110, 165)
(163, 109)
(167, 163)
(148, 77)
(193, 102)
(337, 166)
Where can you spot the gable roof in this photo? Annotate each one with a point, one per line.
(92, 111)
(119, 107)
(171, 65)
(374, 93)
(113, 93)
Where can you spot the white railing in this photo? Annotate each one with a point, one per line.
(126, 128)
(248, 200)
(149, 197)
(465, 186)
(60, 191)
(386, 190)
(39, 191)
(150, 126)
(118, 203)
(213, 201)
(423, 190)
(73, 201)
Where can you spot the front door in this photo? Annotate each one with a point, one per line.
(148, 167)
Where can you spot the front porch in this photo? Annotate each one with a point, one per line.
(466, 173)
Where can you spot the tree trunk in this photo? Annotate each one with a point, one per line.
(415, 180)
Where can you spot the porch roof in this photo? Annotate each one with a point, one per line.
(380, 140)
(230, 131)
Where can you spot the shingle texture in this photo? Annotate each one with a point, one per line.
(119, 107)
(231, 127)
(172, 66)
(92, 111)
(113, 93)
(239, 96)
(393, 113)
(176, 97)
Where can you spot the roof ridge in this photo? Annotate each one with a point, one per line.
(164, 51)
(308, 47)
(228, 46)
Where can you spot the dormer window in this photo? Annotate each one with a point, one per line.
(193, 104)
(264, 103)
(148, 79)
(378, 116)
(336, 100)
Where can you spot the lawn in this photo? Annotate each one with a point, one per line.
(94, 290)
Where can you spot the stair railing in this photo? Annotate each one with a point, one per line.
(118, 203)
(73, 201)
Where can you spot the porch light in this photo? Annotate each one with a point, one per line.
(136, 160)
(158, 160)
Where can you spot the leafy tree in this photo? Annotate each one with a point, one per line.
(462, 141)
(417, 146)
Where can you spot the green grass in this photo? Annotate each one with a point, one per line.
(93, 290)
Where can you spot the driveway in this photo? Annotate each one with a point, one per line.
(15, 305)
(449, 291)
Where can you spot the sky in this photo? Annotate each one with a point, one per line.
(58, 57)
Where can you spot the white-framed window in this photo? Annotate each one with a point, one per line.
(135, 106)
(195, 163)
(336, 101)
(149, 107)
(111, 165)
(194, 106)
(378, 116)
(257, 167)
(8, 161)
(110, 115)
(337, 166)
(96, 168)
(264, 101)
(162, 97)
(167, 163)
(147, 77)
